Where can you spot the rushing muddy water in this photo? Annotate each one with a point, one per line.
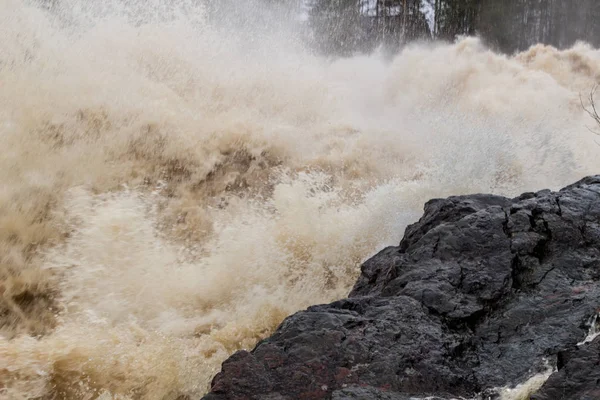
(171, 189)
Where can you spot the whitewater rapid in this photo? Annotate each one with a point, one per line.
(172, 188)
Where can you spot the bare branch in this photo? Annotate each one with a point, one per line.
(591, 109)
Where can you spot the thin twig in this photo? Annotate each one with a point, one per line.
(591, 109)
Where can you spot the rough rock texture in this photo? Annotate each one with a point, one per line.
(477, 295)
(578, 375)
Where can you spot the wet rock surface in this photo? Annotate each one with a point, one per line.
(578, 375)
(480, 293)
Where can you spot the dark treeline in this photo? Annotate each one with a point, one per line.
(345, 26)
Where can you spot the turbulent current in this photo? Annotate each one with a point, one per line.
(172, 187)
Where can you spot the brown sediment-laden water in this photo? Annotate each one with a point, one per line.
(171, 189)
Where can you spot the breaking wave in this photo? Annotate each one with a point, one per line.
(172, 187)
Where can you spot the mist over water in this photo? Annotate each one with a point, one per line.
(172, 187)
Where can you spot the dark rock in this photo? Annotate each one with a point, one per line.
(479, 293)
(578, 375)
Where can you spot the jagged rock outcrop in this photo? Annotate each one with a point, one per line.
(578, 375)
(479, 293)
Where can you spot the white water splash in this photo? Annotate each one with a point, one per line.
(594, 331)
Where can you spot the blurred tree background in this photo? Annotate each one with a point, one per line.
(344, 26)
